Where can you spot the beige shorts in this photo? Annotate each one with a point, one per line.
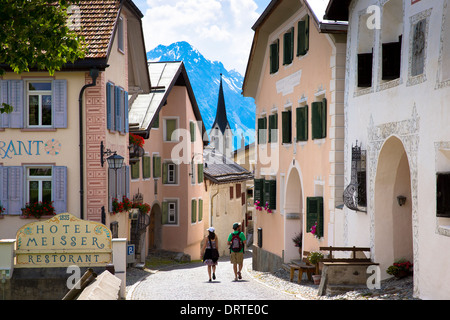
(237, 257)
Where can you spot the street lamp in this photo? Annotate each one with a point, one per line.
(114, 160)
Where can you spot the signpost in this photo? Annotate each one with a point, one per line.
(62, 241)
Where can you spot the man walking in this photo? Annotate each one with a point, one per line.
(236, 241)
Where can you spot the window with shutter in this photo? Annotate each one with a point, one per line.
(288, 47)
(272, 194)
(135, 170)
(319, 119)
(156, 166)
(59, 190)
(391, 60)
(365, 69)
(273, 128)
(274, 56)
(231, 193)
(259, 191)
(286, 117)
(125, 110)
(170, 125)
(303, 36)
(193, 211)
(15, 187)
(302, 123)
(200, 172)
(238, 190)
(262, 130)
(314, 213)
(169, 212)
(192, 130)
(110, 107)
(200, 210)
(146, 168)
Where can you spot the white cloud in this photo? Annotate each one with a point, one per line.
(219, 29)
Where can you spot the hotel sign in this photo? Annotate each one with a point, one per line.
(62, 241)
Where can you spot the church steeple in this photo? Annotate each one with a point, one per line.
(221, 114)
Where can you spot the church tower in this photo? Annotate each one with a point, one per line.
(221, 134)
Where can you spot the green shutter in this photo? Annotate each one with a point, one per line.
(323, 117)
(273, 194)
(200, 209)
(156, 166)
(286, 117)
(192, 129)
(156, 121)
(314, 213)
(259, 191)
(319, 119)
(266, 192)
(273, 128)
(200, 172)
(171, 126)
(165, 213)
(303, 37)
(262, 130)
(146, 169)
(164, 172)
(135, 170)
(302, 123)
(288, 46)
(193, 210)
(274, 56)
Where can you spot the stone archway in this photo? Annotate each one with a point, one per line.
(393, 232)
(293, 208)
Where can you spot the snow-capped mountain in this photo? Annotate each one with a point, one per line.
(204, 76)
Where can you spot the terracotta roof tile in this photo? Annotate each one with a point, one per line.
(98, 18)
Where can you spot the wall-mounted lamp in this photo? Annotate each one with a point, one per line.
(114, 160)
(192, 162)
(401, 200)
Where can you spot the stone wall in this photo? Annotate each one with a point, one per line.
(38, 283)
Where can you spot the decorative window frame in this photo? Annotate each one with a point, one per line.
(414, 80)
(384, 85)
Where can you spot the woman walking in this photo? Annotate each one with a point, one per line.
(211, 252)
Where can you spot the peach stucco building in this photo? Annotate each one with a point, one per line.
(170, 173)
(296, 74)
(50, 143)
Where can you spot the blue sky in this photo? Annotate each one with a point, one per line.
(219, 29)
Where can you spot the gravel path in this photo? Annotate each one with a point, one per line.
(190, 282)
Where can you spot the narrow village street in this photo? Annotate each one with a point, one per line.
(190, 282)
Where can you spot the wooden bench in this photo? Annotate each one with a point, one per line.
(353, 258)
(302, 266)
(344, 274)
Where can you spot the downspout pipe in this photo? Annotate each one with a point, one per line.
(94, 74)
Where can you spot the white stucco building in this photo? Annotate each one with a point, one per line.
(397, 110)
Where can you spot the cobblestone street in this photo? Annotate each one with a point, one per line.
(190, 282)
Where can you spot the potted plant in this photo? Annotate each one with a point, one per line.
(314, 258)
(400, 268)
(126, 203)
(135, 145)
(38, 209)
(2, 210)
(298, 242)
(143, 207)
(116, 206)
